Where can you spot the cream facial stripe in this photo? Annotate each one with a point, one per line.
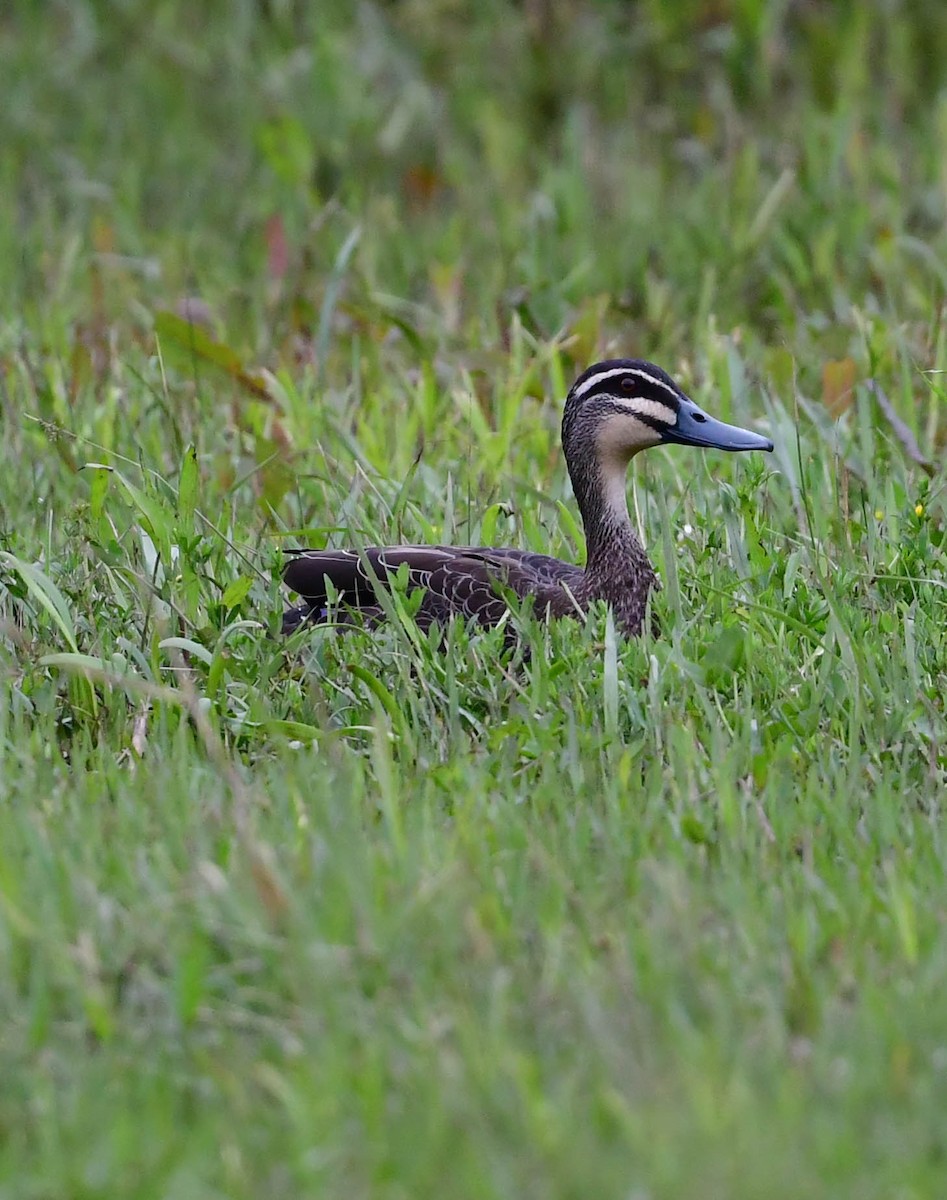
(615, 372)
(649, 408)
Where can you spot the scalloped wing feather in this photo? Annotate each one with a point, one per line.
(464, 581)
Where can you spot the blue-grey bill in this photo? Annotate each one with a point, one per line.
(695, 428)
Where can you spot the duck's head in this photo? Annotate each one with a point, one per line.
(623, 405)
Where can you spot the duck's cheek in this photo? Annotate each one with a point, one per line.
(622, 435)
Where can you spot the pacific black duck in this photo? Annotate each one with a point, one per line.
(613, 410)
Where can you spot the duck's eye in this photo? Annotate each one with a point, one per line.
(627, 384)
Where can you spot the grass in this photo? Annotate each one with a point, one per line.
(355, 916)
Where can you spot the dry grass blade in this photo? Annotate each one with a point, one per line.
(901, 431)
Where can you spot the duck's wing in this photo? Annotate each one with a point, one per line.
(534, 570)
(352, 573)
(468, 581)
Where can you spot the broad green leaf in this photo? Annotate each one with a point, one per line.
(188, 646)
(75, 662)
(45, 592)
(382, 694)
(695, 830)
(294, 730)
(236, 592)
(154, 518)
(186, 344)
(98, 489)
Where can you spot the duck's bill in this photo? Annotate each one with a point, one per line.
(695, 428)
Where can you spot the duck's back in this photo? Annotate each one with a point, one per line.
(456, 580)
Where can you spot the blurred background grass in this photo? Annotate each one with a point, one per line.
(752, 158)
(414, 180)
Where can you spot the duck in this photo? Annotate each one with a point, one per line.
(614, 410)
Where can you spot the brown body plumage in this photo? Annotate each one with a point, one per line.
(613, 410)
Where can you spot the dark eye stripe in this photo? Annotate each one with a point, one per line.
(627, 377)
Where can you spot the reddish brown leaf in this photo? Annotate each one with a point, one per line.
(421, 185)
(277, 248)
(268, 887)
(103, 237)
(838, 385)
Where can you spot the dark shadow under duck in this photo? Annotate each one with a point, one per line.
(613, 410)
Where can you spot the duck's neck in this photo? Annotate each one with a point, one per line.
(616, 558)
